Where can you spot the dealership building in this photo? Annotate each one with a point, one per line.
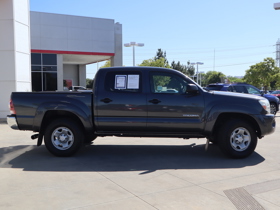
(48, 52)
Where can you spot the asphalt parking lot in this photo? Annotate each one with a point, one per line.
(137, 173)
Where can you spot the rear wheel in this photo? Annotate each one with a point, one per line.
(237, 138)
(63, 137)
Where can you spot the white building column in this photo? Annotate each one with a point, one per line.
(59, 59)
(82, 75)
(117, 59)
(14, 50)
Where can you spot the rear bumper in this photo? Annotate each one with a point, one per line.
(12, 122)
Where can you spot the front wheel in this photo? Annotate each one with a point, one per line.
(63, 137)
(237, 138)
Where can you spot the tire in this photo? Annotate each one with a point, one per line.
(63, 137)
(237, 138)
(273, 108)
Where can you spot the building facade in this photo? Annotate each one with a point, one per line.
(49, 52)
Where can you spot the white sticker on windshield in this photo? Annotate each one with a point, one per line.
(133, 82)
(120, 81)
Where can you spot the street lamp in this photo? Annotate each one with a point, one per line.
(133, 44)
(201, 72)
(197, 63)
(276, 6)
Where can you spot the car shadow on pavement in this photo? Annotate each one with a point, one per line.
(111, 158)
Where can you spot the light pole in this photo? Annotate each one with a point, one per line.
(276, 6)
(201, 72)
(197, 63)
(133, 44)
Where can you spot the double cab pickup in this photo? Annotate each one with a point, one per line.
(142, 102)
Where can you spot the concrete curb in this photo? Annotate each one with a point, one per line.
(3, 120)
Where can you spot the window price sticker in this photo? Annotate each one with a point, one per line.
(133, 82)
(127, 82)
(120, 81)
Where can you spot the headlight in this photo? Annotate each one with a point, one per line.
(265, 104)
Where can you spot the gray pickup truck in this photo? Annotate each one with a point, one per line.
(142, 102)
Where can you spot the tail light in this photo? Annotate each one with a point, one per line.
(12, 108)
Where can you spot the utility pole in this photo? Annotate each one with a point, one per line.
(278, 53)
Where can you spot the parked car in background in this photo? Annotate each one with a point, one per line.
(79, 89)
(218, 86)
(246, 88)
(76, 88)
(276, 93)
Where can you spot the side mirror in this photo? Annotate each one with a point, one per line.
(192, 89)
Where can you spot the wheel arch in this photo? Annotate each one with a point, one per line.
(222, 118)
(52, 115)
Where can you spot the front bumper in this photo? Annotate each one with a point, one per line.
(268, 124)
(12, 122)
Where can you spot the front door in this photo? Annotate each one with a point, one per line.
(170, 108)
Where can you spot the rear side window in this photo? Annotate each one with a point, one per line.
(128, 81)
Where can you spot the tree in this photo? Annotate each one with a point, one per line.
(179, 67)
(156, 63)
(185, 69)
(190, 69)
(89, 83)
(107, 64)
(160, 60)
(161, 54)
(213, 77)
(262, 74)
(232, 79)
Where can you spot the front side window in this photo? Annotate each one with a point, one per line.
(239, 89)
(167, 83)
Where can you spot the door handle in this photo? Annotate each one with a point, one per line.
(106, 100)
(154, 101)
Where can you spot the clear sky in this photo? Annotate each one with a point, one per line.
(227, 36)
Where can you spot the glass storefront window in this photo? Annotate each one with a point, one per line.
(36, 68)
(36, 58)
(36, 81)
(44, 72)
(49, 59)
(50, 68)
(50, 81)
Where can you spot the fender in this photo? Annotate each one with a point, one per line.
(230, 109)
(76, 107)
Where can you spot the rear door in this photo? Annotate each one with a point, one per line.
(121, 102)
(170, 108)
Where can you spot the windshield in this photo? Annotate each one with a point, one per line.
(253, 90)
